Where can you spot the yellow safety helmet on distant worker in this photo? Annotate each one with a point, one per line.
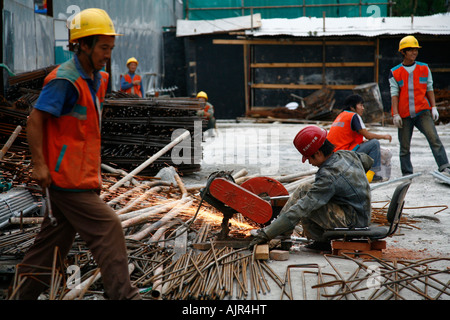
(91, 22)
(202, 94)
(132, 59)
(408, 42)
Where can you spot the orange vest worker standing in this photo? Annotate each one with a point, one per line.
(131, 82)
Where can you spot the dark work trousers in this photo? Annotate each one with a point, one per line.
(98, 225)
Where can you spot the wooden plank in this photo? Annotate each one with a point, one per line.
(292, 42)
(300, 86)
(311, 64)
(262, 252)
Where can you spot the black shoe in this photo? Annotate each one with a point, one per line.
(377, 179)
(319, 246)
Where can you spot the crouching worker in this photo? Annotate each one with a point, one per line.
(339, 197)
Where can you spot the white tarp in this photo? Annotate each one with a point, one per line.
(438, 24)
(196, 27)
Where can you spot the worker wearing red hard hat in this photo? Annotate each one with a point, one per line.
(339, 197)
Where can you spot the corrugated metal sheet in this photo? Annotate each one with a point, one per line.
(196, 27)
(438, 24)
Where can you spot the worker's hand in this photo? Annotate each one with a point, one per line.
(260, 238)
(41, 174)
(435, 114)
(388, 137)
(398, 121)
(136, 82)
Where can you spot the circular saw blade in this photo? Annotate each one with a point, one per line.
(268, 187)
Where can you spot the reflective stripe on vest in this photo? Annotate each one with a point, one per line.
(341, 133)
(135, 89)
(413, 89)
(72, 142)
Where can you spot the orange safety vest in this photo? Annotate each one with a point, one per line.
(413, 89)
(133, 89)
(341, 133)
(72, 145)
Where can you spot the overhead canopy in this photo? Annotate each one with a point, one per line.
(197, 27)
(438, 24)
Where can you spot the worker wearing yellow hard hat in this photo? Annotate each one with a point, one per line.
(414, 105)
(208, 112)
(408, 42)
(64, 137)
(131, 82)
(85, 28)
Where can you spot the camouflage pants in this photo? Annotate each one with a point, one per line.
(327, 217)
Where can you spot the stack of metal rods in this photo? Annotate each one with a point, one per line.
(211, 275)
(16, 202)
(135, 129)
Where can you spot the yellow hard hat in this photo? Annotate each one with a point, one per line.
(202, 94)
(408, 42)
(90, 22)
(133, 59)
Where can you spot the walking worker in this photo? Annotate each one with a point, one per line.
(63, 132)
(339, 197)
(131, 82)
(348, 132)
(413, 105)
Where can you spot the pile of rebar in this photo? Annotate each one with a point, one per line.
(380, 279)
(135, 129)
(16, 202)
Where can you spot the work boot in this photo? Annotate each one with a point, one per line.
(319, 246)
(446, 172)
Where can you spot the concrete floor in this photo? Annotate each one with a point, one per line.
(266, 149)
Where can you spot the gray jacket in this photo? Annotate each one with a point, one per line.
(341, 180)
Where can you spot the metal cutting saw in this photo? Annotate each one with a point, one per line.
(259, 199)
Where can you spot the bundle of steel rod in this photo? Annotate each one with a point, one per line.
(31, 80)
(16, 202)
(135, 129)
(16, 242)
(214, 274)
(391, 279)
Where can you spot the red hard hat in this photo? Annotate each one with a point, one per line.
(309, 140)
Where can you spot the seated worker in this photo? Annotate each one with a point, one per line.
(131, 82)
(348, 132)
(339, 197)
(208, 112)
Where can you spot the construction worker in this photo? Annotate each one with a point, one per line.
(208, 112)
(63, 132)
(348, 132)
(131, 82)
(413, 105)
(339, 197)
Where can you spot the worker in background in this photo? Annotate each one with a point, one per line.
(208, 112)
(348, 132)
(339, 198)
(63, 133)
(131, 82)
(413, 105)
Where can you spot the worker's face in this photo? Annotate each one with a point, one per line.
(359, 109)
(410, 54)
(101, 52)
(132, 66)
(316, 159)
